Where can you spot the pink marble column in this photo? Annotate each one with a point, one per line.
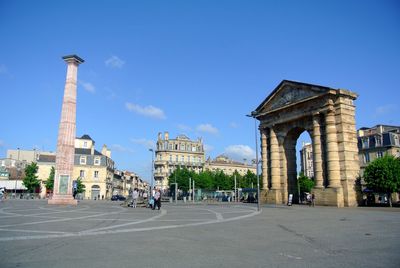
(62, 194)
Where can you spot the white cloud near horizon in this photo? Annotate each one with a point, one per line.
(144, 142)
(233, 125)
(120, 148)
(3, 69)
(114, 62)
(149, 111)
(87, 86)
(385, 110)
(240, 152)
(207, 128)
(183, 127)
(208, 148)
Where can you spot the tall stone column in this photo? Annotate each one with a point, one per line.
(332, 151)
(275, 162)
(264, 158)
(62, 194)
(317, 154)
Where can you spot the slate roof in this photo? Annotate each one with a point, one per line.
(86, 151)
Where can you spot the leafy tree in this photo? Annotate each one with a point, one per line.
(80, 186)
(30, 181)
(50, 181)
(305, 183)
(383, 175)
(250, 179)
(181, 176)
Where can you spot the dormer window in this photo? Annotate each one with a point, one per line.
(97, 161)
(396, 140)
(378, 141)
(85, 144)
(365, 143)
(82, 160)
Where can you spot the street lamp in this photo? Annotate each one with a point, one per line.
(18, 175)
(253, 114)
(152, 174)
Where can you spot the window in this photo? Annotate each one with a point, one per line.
(159, 157)
(378, 141)
(182, 158)
(176, 146)
(82, 160)
(82, 173)
(96, 174)
(97, 161)
(189, 158)
(396, 140)
(170, 146)
(365, 142)
(170, 157)
(194, 149)
(85, 144)
(379, 154)
(366, 158)
(176, 158)
(182, 147)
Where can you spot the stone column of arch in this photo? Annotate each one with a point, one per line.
(332, 150)
(283, 173)
(317, 152)
(275, 161)
(264, 158)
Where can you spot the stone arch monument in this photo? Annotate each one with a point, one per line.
(328, 116)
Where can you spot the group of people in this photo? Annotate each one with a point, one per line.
(152, 202)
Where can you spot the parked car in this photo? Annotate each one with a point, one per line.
(118, 198)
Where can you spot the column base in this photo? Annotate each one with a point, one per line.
(273, 196)
(62, 200)
(329, 196)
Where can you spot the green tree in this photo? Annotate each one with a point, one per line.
(50, 181)
(80, 186)
(383, 175)
(305, 183)
(250, 180)
(30, 181)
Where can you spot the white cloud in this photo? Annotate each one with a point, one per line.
(114, 62)
(88, 86)
(385, 110)
(183, 127)
(149, 111)
(207, 128)
(240, 152)
(146, 143)
(120, 148)
(233, 125)
(3, 69)
(208, 148)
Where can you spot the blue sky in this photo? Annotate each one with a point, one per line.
(193, 67)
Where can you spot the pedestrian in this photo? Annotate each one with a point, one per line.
(157, 200)
(313, 199)
(135, 195)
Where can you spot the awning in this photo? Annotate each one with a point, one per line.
(11, 185)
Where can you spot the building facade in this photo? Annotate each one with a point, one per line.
(228, 166)
(173, 153)
(306, 163)
(377, 141)
(94, 168)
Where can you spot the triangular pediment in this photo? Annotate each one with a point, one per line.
(288, 93)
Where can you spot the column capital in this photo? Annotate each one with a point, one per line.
(73, 59)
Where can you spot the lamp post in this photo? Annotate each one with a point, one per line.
(152, 170)
(18, 175)
(253, 114)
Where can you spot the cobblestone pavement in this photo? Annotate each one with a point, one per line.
(105, 234)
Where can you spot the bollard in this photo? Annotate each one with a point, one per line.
(184, 199)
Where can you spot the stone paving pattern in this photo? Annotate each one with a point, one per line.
(105, 234)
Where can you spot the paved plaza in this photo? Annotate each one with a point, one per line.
(105, 234)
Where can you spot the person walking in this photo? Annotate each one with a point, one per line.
(135, 195)
(157, 200)
(313, 200)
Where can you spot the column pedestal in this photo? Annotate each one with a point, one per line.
(328, 196)
(274, 196)
(63, 200)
